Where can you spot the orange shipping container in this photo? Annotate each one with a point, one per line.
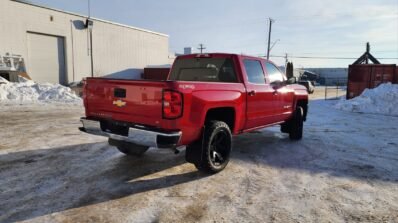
(364, 76)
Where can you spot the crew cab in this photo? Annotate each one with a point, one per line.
(206, 100)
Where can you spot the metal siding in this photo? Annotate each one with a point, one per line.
(80, 50)
(116, 48)
(119, 50)
(46, 58)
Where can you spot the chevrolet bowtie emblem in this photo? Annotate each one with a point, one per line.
(119, 103)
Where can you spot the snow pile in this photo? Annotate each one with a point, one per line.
(381, 100)
(3, 81)
(29, 92)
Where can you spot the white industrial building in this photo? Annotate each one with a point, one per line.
(331, 76)
(336, 73)
(326, 76)
(55, 44)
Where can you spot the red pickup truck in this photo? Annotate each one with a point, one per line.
(206, 99)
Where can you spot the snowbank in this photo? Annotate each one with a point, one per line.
(29, 92)
(381, 100)
(3, 81)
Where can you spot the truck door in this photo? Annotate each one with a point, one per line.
(283, 95)
(260, 104)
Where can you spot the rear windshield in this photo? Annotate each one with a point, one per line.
(204, 69)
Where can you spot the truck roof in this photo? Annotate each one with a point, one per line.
(204, 55)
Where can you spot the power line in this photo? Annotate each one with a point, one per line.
(89, 8)
(269, 37)
(258, 21)
(347, 52)
(326, 58)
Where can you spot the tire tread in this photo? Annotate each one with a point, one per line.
(205, 165)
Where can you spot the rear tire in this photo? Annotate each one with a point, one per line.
(285, 127)
(216, 148)
(296, 124)
(127, 148)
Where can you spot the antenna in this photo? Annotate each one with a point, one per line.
(89, 8)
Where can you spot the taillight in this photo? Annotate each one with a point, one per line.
(172, 104)
(84, 88)
(84, 95)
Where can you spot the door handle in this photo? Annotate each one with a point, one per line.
(252, 93)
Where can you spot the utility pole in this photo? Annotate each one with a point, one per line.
(269, 37)
(286, 62)
(90, 29)
(286, 58)
(89, 8)
(91, 52)
(367, 52)
(201, 48)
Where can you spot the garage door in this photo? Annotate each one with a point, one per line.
(46, 58)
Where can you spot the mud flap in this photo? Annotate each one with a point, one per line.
(193, 153)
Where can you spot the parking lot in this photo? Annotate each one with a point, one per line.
(342, 171)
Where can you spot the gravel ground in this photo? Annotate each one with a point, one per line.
(344, 170)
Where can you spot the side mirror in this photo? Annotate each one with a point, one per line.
(277, 84)
(292, 80)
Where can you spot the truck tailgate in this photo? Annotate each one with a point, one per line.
(133, 101)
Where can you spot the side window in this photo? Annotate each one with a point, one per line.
(274, 73)
(254, 71)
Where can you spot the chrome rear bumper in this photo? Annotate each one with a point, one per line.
(135, 135)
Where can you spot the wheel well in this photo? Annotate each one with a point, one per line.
(304, 105)
(226, 115)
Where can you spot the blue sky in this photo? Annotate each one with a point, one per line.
(302, 28)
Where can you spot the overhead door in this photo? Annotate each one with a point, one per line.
(46, 58)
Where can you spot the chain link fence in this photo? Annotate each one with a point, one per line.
(336, 88)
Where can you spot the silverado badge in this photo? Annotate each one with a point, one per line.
(119, 103)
